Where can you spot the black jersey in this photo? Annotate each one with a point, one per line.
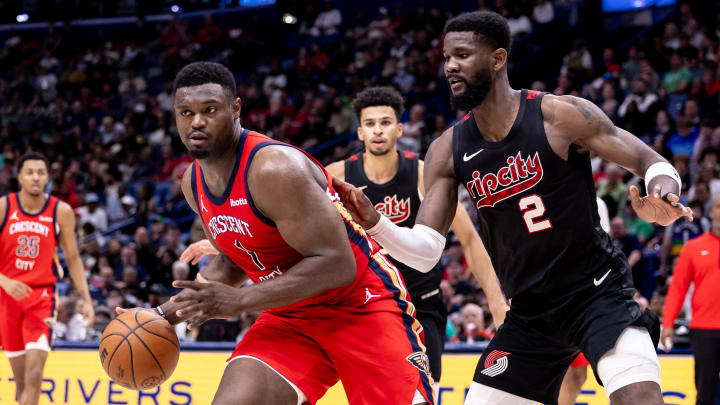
(537, 213)
(399, 200)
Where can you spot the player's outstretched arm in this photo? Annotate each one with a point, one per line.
(421, 246)
(68, 243)
(571, 119)
(476, 256)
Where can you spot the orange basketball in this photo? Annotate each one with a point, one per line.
(139, 349)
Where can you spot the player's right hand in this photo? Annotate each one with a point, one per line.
(16, 289)
(197, 251)
(498, 312)
(655, 208)
(667, 337)
(357, 204)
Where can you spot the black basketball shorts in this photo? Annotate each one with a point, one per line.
(542, 334)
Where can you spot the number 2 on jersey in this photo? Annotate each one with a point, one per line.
(252, 255)
(28, 247)
(533, 208)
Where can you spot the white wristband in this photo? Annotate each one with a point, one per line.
(419, 247)
(659, 168)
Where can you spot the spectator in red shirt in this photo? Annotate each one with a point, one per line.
(699, 262)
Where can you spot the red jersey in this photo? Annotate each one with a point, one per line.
(28, 242)
(253, 242)
(699, 262)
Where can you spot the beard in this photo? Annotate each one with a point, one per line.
(199, 153)
(475, 92)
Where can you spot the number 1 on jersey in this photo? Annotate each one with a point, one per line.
(252, 255)
(533, 208)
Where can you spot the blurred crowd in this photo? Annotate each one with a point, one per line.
(101, 109)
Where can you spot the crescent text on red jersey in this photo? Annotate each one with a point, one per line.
(220, 224)
(29, 226)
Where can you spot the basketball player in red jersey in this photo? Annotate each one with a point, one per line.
(333, 307)
(32, 225)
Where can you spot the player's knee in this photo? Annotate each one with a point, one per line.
(576, 376)
(33, 375)
(632, 360)
(644, 392)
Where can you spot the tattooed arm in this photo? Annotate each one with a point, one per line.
(569, 120)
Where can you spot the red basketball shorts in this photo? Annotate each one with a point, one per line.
(580, 361)
(377, 357)
(370, 340)
(27, 324)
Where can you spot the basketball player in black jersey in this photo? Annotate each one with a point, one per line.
(392, 180)
(522, 156)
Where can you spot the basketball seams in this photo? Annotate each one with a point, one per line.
(111, 334)
(113, 353)
(132, 364)
(121, 342)
(148, 349)
(125, 339)
(160, 336)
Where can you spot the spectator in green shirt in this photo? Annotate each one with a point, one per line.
(676, 80)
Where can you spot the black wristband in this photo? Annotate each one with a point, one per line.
(161, 312)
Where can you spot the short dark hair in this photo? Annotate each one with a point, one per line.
(198, 73)
(32, 156)
(491, 26)
(379, 96)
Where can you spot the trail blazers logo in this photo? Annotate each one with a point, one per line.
(396, 210)
(519, 175)
(495, 363)
(421, 361)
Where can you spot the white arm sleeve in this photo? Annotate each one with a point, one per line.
(419, 247)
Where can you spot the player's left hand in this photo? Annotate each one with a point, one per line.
(653, 208)
(208, 300)
(197, 251)
(88, 312)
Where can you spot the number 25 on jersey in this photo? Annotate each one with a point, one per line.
(28, 246)
(533, 209)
